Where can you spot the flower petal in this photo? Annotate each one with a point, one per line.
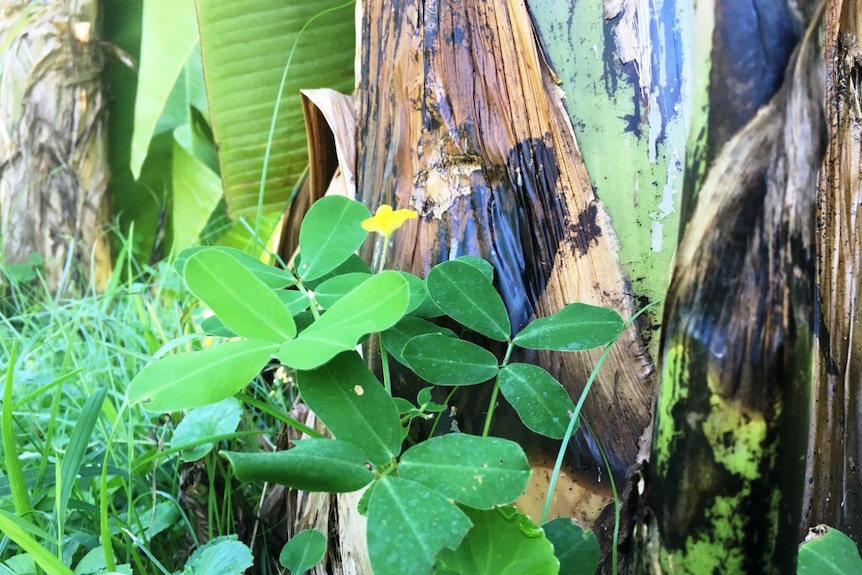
(386, 220)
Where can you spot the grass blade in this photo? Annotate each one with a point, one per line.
(14, 528)
(74, 455)
(20, 497)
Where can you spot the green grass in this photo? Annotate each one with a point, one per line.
(71, 475)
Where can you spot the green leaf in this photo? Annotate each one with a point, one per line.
(274, 278)
(576, 549)
(202, 423)
(576, 327)
(243, 303)
(832, 553)
(73, 458)
(295, 301)
(197, 190)
(223, 555)
(466, 295)
(335, 288)
(397, 336)
(481, 472)
(311, 465)
(480, 264)
(362, 506)
(352, 265)
(330, 233)
(375, 305)
(16, 529)
(408, 524)
(449, 361)
(192, 379)
(350, 401)
(212, 325)
(93, 562)
(418, 293)
(245, 47)
(304, 550)
(501, 542)
(168, 38)
(541, 401)
(13, 469)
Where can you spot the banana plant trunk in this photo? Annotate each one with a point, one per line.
(461, 117)
(53, 157)
(723, 488)
(834, 488)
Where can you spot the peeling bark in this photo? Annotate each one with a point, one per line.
(723, 489)
(834, 486)
(460, 118)
(53, 155)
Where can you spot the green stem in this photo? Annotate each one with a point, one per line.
(508, 353)
(614, 552)
(492, 405)
(143, 461)
(384, 363)
(278, 415)
(570, 430)
(381, 263)
(496, 392)
(440, 414)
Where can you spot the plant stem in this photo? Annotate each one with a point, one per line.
(491, 406)
(508, 353)
(570, 430)
(614, 551)
(380, 263)
(278, 415)
(384, 363)
(496, 391)
(440, 414)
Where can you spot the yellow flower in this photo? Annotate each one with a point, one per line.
(386, 220)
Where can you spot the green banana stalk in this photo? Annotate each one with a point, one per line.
(723, 489)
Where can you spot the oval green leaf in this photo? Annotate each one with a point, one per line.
(311, 465)
(354, 406)
(375, 305)
(576, 549)
(541, 401)
(295, 301)
(202, 423)
(352, 265)
(832, 553)
(480, 264)
(335, 288)
(330, 233)
(446, 360)
(576, 327)
(223, 555)
(418, 293)
(481, 472)
(411, 524)
(212, 325)
(501, 542)
(197, 378)
(242, 302)
(304, 550)
(466, 295)
(397, 336)
(273, 277)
